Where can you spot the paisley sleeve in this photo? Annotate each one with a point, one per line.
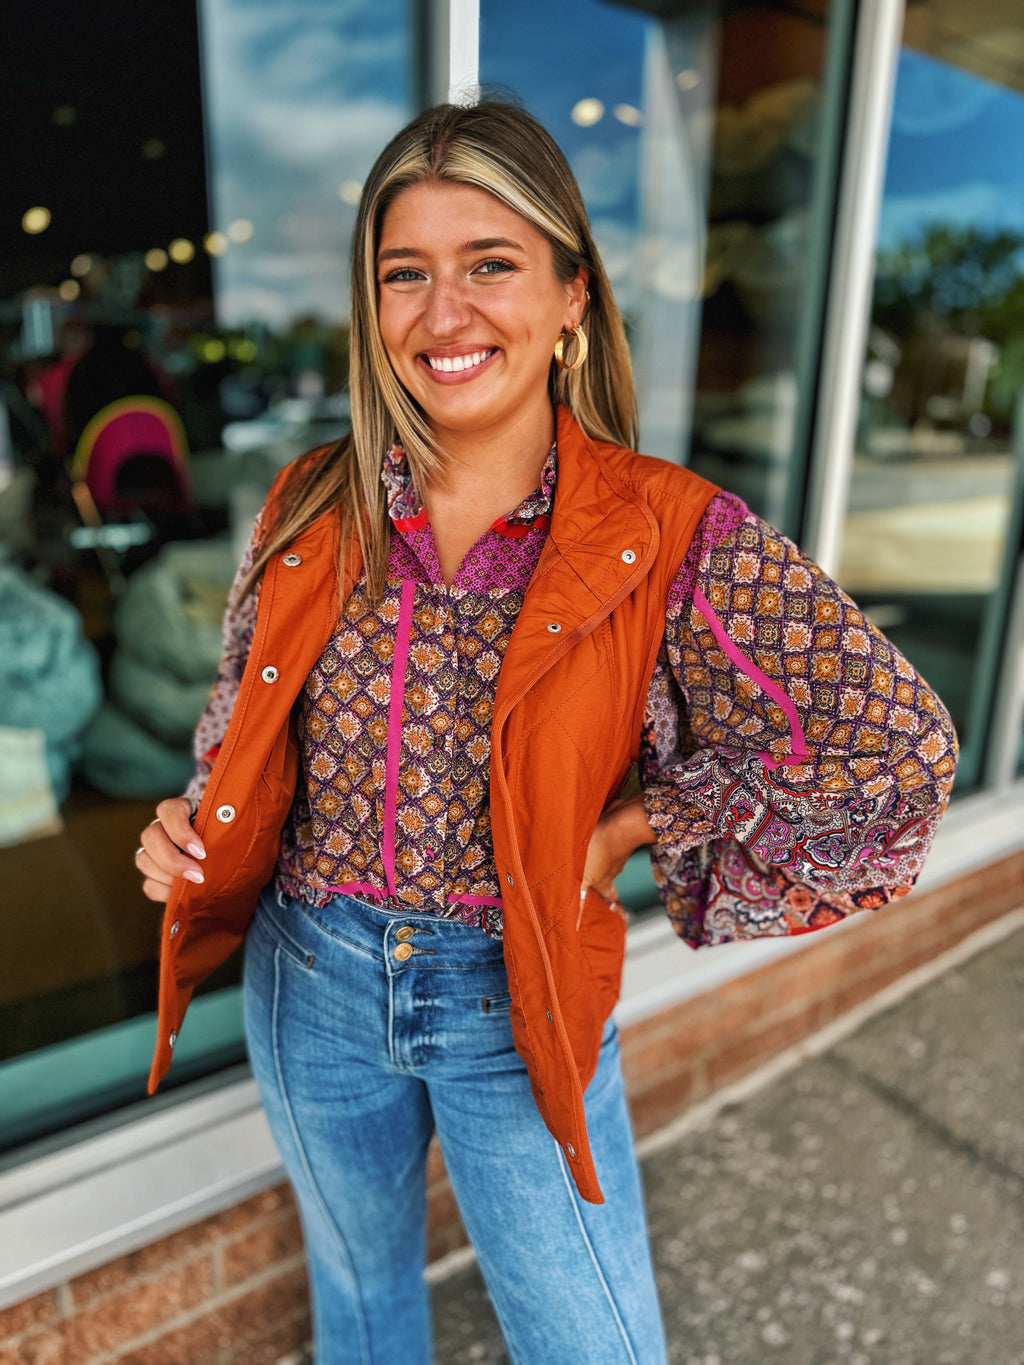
(794, 764)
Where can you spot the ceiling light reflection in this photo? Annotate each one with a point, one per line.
(587, 112)
(36, 220)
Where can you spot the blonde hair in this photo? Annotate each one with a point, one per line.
(495, 147)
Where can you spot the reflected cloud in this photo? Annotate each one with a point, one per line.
(981, 203)
(932, 98)
(607, 173)
(329, 140)
(300, 99)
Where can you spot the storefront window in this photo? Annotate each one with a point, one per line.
(702, 140)
(180, 192)
(931, 536)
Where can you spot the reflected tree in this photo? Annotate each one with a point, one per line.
(947, 287)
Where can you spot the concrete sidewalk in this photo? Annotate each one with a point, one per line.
(863, 1208)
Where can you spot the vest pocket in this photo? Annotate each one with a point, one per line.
(602, 936)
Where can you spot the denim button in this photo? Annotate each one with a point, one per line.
(404, 933)
(175, 927)
(628, 556)
(269, 674)
(548, 1013)
(225, 814)
(173, 1038)
(508, 878)
(554, 627)
(570, 1149)
(291, 560)
(404, 951)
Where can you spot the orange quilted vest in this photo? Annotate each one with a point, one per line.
(569, 706)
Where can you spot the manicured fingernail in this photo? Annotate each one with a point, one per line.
(196, 850)
(191, 876)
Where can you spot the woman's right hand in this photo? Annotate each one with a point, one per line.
(165, 850)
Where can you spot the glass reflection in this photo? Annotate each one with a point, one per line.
(931, 527)
(173, 329)
(695, 133)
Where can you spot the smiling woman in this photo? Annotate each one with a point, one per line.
(454, 636)
(470, 336)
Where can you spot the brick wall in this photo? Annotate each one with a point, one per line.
(231, 1290)
(228, 1291)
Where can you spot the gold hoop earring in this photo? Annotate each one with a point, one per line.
(581, 348)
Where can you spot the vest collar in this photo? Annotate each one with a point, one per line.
(602, 543)
(596, 519)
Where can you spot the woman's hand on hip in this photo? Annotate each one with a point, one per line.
(621, 830)
(170, 848)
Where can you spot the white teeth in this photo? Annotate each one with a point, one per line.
(456, 364)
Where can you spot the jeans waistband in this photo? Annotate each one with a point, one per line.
(378, 929)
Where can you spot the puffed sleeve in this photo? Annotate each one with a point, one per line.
(794, 765)
(239, 625)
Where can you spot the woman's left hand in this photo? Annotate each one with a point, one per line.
(621, 830)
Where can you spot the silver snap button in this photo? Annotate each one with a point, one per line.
(175, 927)
(173, 1038)
(628, 556)
(554, 627)
(269, 674)
(548, 1013)
(570, 1149)
(291, 560)
(508, 878)
(225, 814)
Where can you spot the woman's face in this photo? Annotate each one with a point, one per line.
(470, 308)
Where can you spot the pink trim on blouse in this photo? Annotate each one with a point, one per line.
(415, 523)
(402, 636)
(798, 744)
(518, 530)
(359, 889)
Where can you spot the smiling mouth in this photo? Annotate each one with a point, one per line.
(459, 364)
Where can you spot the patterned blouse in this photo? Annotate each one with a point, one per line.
(794, 766)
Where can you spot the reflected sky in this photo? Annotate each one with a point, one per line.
(590, 50)
(300, 96)
(956, 153)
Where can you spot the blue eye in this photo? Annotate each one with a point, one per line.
(401, 275)
(495, 266)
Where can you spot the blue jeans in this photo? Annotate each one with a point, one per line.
(361, 1049)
